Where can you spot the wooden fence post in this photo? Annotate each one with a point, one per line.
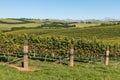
(72, 56)
(25, 47)
(107, 56)
(52, 53)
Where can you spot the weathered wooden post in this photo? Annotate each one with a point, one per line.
(72, 56)
(25, 55)
(107, 56)
(52, 53)
(34, 54)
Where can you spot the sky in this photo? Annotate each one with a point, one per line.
(60, 9)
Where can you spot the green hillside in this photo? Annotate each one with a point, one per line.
(7, 24)
(102, 33)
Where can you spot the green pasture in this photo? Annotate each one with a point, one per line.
(52, 71)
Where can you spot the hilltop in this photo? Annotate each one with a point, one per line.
(8, 23)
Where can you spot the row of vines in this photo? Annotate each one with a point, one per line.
(11, 44)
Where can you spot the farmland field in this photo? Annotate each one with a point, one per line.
(109, 34)
(7, 24)
(90, 41)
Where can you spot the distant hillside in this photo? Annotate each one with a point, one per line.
(8, 23)
(109, 34)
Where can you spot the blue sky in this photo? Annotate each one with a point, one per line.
(60, 9)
